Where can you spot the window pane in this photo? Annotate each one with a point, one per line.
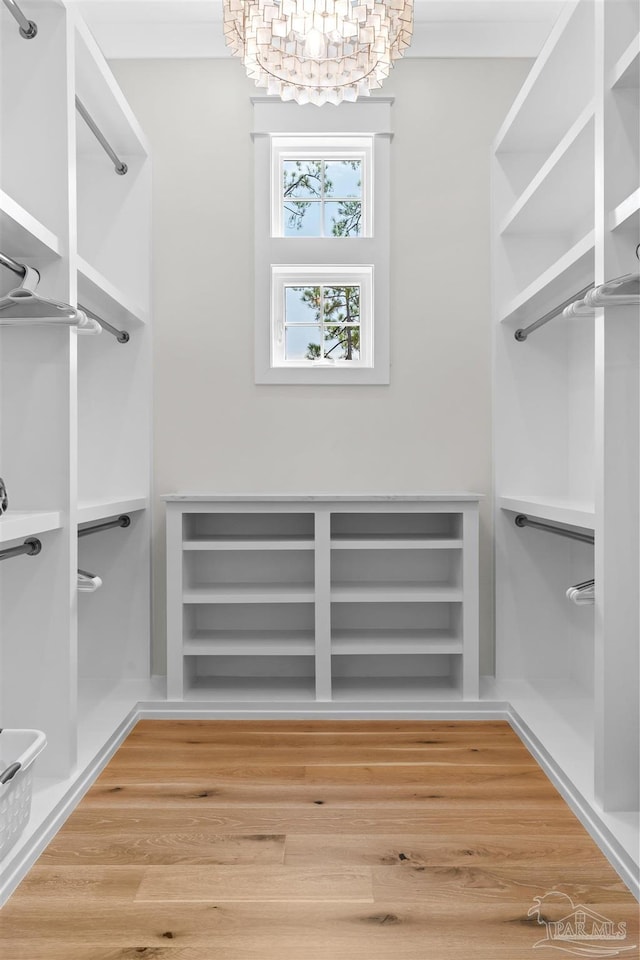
(302, 343)
(342, 218)
(301, 218)
(302, 178)
(342, 343)
(302, 304)
(343, 178)
(342, 304)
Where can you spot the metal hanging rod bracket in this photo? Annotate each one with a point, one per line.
(121, 335)
(28, 29)
(523, 521)
(122, 521)
(120, 167)
(31, 547)
(523, 332)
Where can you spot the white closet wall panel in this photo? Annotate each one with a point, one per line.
(567, 405)
(74, 410)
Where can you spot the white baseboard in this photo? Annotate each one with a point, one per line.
(613, 850)
(319, 710)
(18, 866)
(617, 856)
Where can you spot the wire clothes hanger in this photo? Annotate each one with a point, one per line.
(620, 292)
(88, 582)
(23, 306)
(583, 593)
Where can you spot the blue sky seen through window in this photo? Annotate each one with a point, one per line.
(322, 322)
(322, 198)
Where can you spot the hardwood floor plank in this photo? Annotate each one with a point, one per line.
(163, 731)
(257, 882)
(516, 883)
(481, 850)
(430, 817)
(172, 766)
(409, 783)
(85, 883)
(142, 772)
(111, 847)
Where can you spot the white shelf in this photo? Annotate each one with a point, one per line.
(567, 275)
(250, 643)
(625, 212)
(389, 626)
(376, 542)
(386, 592)
(102, 96)
(16, 524)
(401, 689)
(568, 512)
(248, 543)
(251, 689)
(562, 191)
(24, 236)
(89, 512)
(626, 72)
(538, 117)
(102, 296)
(394, 642)
(251, 593)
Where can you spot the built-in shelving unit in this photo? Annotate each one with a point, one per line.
(74, 410)
(322, 599)
(565, 211)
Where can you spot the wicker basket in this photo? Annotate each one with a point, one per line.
(18, 751)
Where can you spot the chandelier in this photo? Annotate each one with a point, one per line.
(318, 51)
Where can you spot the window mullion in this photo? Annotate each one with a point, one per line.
(322, 172)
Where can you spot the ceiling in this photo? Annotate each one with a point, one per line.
(443, 28)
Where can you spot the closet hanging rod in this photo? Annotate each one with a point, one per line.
(523, 332)
(28, 29)
(122, 521)
(31, 547)
(12, 264)
(120, 167)
(524, 521)
(121, 335)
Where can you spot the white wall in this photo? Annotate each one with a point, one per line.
(430, 429)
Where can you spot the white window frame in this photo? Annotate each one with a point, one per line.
(314, 275)
(322, 148)
(283, 130)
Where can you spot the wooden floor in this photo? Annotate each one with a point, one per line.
(327, 840)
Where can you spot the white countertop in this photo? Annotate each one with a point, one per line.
(462, 496)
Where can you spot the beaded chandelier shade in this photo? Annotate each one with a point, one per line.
(318, 51)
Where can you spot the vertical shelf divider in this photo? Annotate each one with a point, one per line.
(470, 607)
(323, 602)
(175, 560)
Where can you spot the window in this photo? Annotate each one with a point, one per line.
(322, 243)
(322, 316)
(321, 188)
